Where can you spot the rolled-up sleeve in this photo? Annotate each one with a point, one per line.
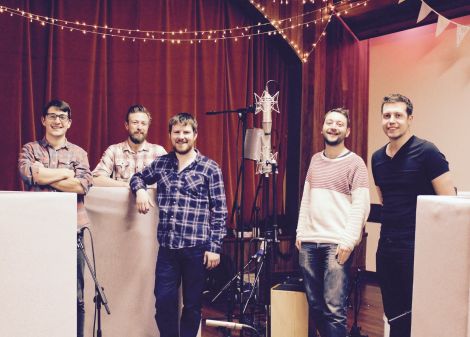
(106, 165)
(143, 178)
(82, 171)
(25, 163)
(218, 210)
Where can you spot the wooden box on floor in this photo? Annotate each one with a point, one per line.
(289, 312)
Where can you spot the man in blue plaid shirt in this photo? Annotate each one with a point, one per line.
(193, 212)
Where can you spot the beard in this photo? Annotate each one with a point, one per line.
(184, 150)
(335, 142)
(137, 138)
(187, 150)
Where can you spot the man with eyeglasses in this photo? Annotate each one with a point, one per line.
(120, 161)
(53, 164)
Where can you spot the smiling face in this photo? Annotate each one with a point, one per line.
(56, 122)
(335, 128)
(138, 126)
(395, 121)
(182, 138)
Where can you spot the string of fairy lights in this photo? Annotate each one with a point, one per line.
(340, 8)
(322, 15)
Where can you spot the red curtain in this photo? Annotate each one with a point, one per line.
(336, 76)
(100, 78)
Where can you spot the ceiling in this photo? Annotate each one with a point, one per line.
(382, 17)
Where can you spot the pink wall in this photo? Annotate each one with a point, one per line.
(435, 75)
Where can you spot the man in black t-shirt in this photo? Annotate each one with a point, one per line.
(403, 169)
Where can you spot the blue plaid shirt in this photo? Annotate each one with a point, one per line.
(192, 202)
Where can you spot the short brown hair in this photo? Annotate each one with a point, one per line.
(184, 118)
(138, 108)
(398, 98)
(342, 111)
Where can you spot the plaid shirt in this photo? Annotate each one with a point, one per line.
(120, 162)
(68, 156)
(192, 202)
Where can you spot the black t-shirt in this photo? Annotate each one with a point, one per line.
(405, 176)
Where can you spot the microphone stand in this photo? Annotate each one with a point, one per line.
(256, 280)
(257, 258)
(355, 328)
(271, 238)
(239, 240)
(100, 297)
(254, 217)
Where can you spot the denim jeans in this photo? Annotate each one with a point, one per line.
(394, 259)
(174, 266)
(326, 285)
(80, 300)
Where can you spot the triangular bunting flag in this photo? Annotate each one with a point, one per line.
(400, 1)
(424, 11)
(461, 32)
(442, 23)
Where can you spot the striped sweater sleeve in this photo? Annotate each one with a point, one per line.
(304, 210)
(360, 206)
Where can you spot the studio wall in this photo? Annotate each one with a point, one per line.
(435, 74)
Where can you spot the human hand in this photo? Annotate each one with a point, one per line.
(143, 201)
(342, 254)
(298, 243)
(211, 260)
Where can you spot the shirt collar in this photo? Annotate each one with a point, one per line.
(174, 159)
(44, 143)
(401, 149)
(127, 147)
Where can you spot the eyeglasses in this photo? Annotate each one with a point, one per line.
(62, 117)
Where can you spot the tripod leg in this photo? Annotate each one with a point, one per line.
(355, 329)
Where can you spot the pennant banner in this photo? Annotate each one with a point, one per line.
(442, 23)
(461, 32)
(424, 11)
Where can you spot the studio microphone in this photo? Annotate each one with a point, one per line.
(266, 104)
(267, 111)
(228, 325)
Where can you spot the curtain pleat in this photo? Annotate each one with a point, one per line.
(100, 78)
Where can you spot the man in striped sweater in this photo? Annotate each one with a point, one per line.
(335, 205)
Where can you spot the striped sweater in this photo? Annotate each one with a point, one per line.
(335, 202)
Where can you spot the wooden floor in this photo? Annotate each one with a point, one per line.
(369, 320)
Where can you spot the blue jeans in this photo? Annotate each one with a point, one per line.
(80, 300)
(174, 266)
(326, 285)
